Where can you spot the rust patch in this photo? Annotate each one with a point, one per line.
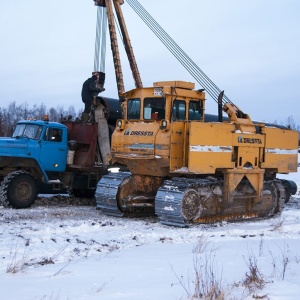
(228, 217)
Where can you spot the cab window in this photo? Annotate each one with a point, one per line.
(19, 130)
(133, 109)
(178, 111)
(195, 111)
(154, 108)
(31, 131)
(53, 135)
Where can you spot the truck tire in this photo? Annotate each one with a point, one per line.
(18, 190)
(290, 189)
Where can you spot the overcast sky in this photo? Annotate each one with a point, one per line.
(249, 48)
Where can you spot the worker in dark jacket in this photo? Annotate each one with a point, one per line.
(90, 90)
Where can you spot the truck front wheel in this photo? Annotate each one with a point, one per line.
(19, 189)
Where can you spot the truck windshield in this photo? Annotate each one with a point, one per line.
(30, 131)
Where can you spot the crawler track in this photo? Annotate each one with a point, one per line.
(183, 201)
(106, 193)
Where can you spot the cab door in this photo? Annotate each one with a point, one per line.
(53, 156)
(178, 136)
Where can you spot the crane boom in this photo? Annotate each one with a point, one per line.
(114, 43)
(128, 46)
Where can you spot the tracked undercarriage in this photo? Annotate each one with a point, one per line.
(181, 201)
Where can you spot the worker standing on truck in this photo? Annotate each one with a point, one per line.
(101, 114)
(90, 90)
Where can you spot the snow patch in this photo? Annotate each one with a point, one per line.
(169, 208)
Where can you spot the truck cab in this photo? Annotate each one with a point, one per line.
(43, 142)
(35, 150)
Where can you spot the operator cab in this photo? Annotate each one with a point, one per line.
(153, 109)
(170, 100)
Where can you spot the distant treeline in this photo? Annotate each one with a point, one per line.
(13, 113)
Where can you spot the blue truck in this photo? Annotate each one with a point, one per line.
(51, 157)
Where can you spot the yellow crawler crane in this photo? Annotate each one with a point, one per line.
(186, 170)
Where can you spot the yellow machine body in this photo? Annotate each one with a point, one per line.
(176, 143)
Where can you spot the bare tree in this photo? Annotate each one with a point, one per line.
(13, 113)
(290, 123)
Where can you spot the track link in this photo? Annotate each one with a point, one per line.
(106, 193)
(168, 200)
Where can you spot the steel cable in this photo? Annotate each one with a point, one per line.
(172, 46)
(103, 42)
(100, 42)
(181, 56)
(97, 40)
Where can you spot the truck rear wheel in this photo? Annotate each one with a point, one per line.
(19, 189)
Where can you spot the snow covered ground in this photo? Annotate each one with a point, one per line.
(71, 252)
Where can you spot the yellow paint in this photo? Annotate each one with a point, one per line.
(196, 147)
